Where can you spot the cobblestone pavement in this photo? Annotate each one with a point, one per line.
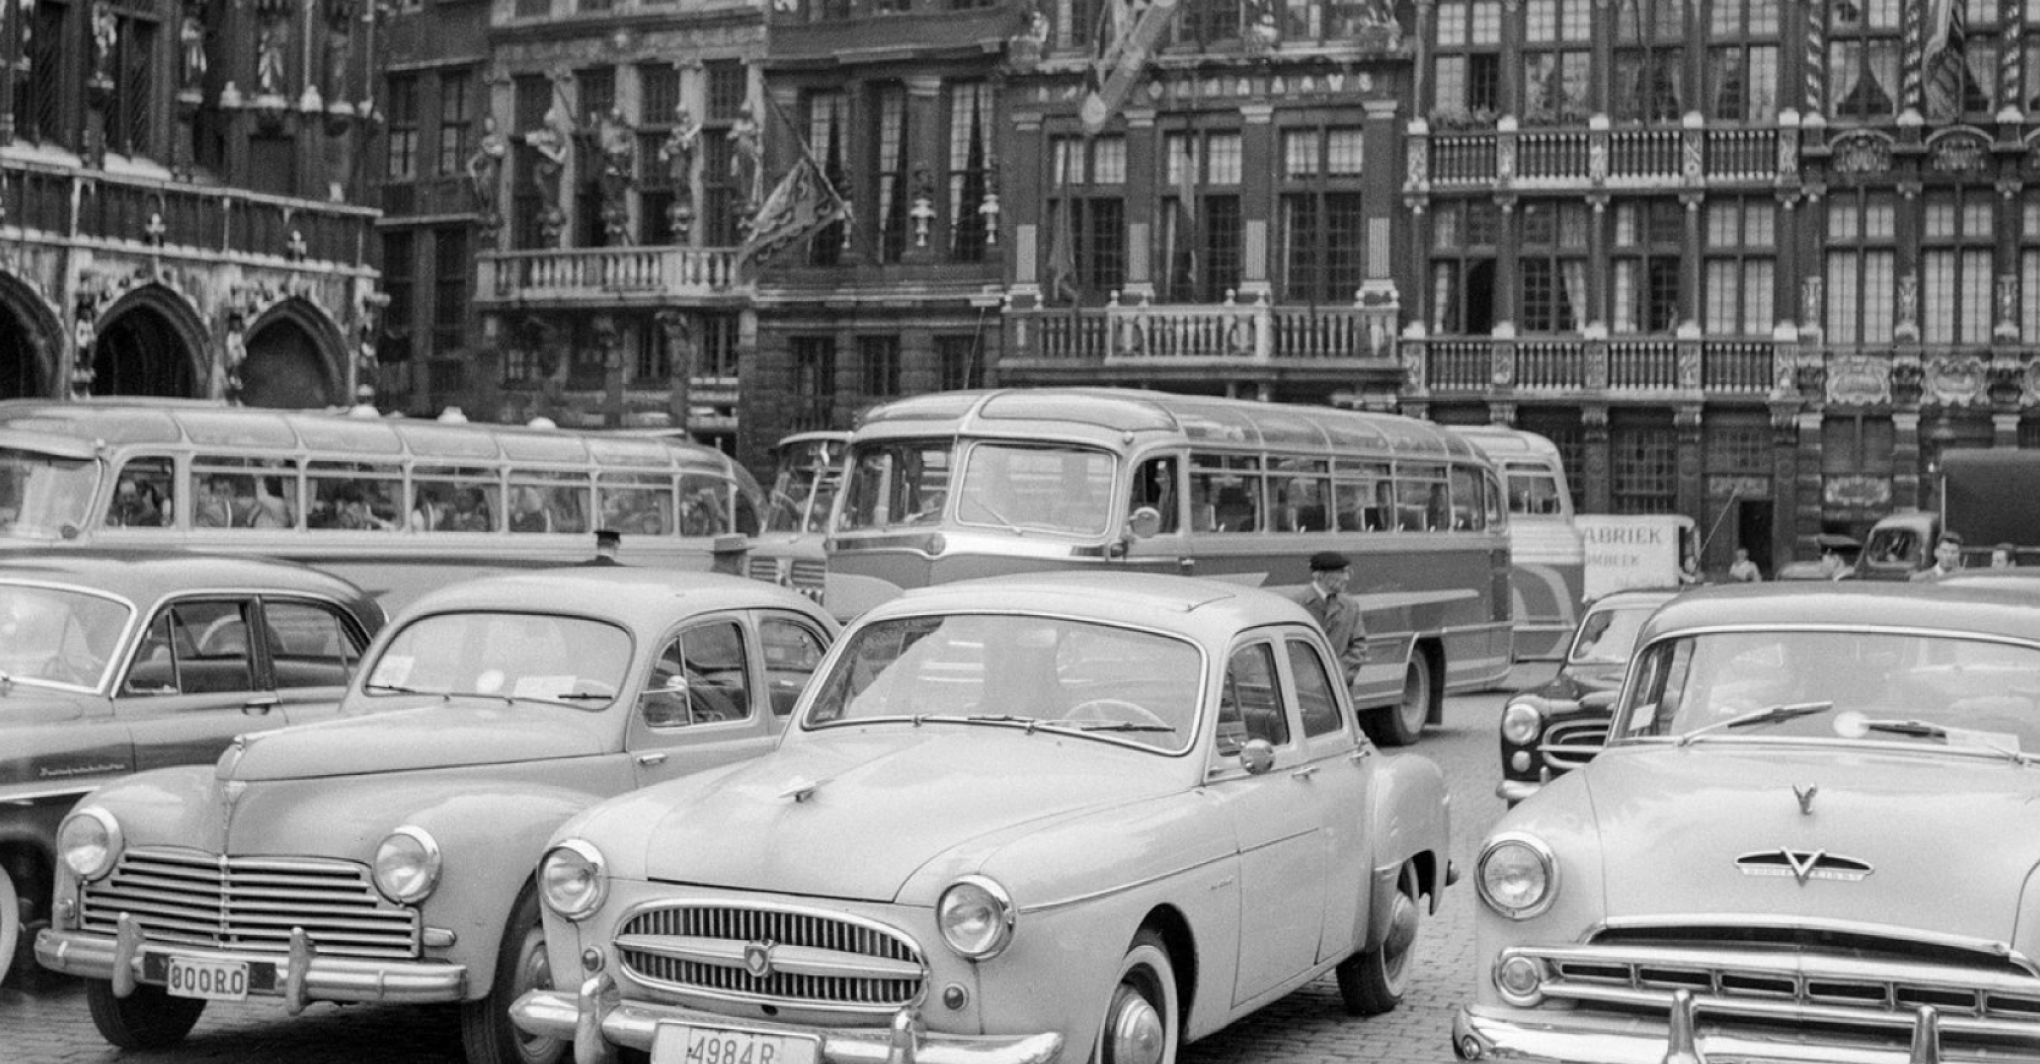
(50, 1025)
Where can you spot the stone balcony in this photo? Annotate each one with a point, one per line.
(1643, 368)
(1162, 336)
(1597, 156)
(607, 277)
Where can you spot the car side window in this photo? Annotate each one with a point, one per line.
(1314, 697)
(310, 645)
(194, 648)
(792, 651)
(702, 676)
(1250, 703)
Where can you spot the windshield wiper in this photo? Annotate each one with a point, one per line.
(1766, 715)
(584, 696)
(1122, 725)
(1008, 718)
(397, 689)
(1928, 730)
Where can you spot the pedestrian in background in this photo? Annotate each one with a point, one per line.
(607, 542)
(1743, 570)
(1947, 558)
(2002, 556)
(1338, 615)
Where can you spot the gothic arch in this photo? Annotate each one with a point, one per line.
(151, 342)
(295, 357)
(31, 341)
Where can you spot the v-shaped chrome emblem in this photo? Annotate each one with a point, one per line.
(1805, 795)
(1802, 863)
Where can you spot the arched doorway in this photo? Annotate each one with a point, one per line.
(29, 340)
(286, 366)
(141, 351)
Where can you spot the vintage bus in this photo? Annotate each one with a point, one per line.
(397, 506)
(963, 484)
(1547, 580)
(807, 470)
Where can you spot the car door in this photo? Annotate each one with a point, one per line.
(1337, 766)
(1275, 822)
(703, 700)
(310, 650)
(192, 683)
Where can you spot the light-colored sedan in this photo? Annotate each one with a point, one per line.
(389, 857)
(1814, 836)
(1017, 819)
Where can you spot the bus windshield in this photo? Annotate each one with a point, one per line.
(805, 487)
(44, 496)
(1056, 489)
(1533, 490)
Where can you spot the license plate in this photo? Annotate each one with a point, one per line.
(211, 980)
(688, 1044)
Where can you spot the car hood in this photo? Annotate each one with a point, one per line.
(439, 735)
(1675, 822)
(883, 802)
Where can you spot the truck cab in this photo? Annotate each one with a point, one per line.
(1900, 545)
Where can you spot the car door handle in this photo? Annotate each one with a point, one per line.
(1304, 773)
(648, 760)
(260, 704)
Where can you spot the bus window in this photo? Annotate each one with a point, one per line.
(353, 496)
(638, 506)
(1361, 496)
(895, 483)
(1155, 486)
(234, 492)
(1301, 492)
(704, 506)
(141, 495)
(453, 499)
(1013, 486)
(1421, 502)
(1230, 487)
(45, 496)
(1492, 502)
(1533, 490)
(541, 502)
(1469, 514)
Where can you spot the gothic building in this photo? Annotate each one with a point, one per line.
(173, 199)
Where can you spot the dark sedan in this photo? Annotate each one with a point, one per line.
(112, 662)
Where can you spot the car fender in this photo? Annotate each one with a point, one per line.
(1411, 819)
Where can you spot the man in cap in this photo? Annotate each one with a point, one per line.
(1338, 615)
(607, 542)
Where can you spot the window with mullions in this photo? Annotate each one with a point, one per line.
(1469, 62)
(1323, 226)
(1742, 60)
(1551, 266)
(814, 381)
(722, 201)
(1650, 235)
(1087, 218)
(1742, 243)
(456, 113)
(1864, 41)
(827, 116)
(1957, 238)
(1644, 475)
(1463, 238)
(718, 353)
(728, 88)
(531, 97)
(1650, 56)
(1959, 70)
(1556, 82)
(1562, 427)
(878, 366)
(972, 123)
(658, 110)
(893, 193)
(449, 289)
(1201, 229)
(1861, 267)
(39, 94)
(131, 112)
(1856, 445)
(2031, 68)
(401, 140)
(399, 280)
(2029, 267)
(1203, 22)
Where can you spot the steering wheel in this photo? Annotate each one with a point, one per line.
(1115, 710)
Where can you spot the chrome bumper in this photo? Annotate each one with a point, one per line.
(597, 1020)
(1480, 1033)
(302, 975)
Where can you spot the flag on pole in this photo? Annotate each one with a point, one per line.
(802, 204)
(1946, 59)
(1062, 242)
(1186, 216)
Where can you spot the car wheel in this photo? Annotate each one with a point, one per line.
(149, 1018)
(1141, 1016)
(10, 922)
(1402, 723)
(485, 1028)
(1374, 982)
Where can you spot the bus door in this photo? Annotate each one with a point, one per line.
(1153, 540)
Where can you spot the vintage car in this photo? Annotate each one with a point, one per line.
(1560, 726)
(1813, 836)
(388, 856)
(116, 661)
(1016, 819)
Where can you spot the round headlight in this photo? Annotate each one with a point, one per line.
(407, 865)
(976, 917)
(1521, 722)
(89, 842)
(1518, 877)
(573, 879)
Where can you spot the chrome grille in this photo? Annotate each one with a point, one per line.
(1571, 744)
(250, 903)
(762, 568)
(838, 963)
(809, 574)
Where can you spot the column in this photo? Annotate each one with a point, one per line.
(1808, 486)
(1594, 457)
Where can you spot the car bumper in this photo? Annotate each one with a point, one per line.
(298, 976)
(597, 1021)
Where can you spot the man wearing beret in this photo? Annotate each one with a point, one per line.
(1338, 615)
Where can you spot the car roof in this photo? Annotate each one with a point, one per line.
(147, 575)
(1635, 598)
(1953, 606)
(638, 596)
(1208, 609)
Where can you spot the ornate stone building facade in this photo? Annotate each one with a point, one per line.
(174, 181)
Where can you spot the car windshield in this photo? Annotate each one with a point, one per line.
(1017, 670)
(526, 657)
(1902, 687)
(1607, 636)
(44, 496)
(58, 635)
(805, 487)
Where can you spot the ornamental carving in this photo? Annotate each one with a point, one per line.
(1954, 380)
(1861, 152)
(1857, 380)
(2032, 388)
(1958, 151)
(1857, 492)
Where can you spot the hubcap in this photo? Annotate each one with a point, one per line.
(1136, 1035)
(535, 973)
(1416, 699)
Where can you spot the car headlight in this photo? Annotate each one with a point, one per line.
(89, 841)
(976, 917)
(1518, 877)
(1521, 722)
(407, 865)
(573, 879)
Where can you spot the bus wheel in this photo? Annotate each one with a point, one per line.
(1402, 723)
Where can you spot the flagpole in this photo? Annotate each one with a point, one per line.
(800, 141)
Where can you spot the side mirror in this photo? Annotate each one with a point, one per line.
(1257, 757)
(1144, 522)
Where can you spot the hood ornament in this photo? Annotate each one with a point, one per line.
(1805, 795)
(1803, 865)
(758, 958)
(800, 790)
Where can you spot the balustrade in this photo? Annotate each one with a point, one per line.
(1643, 366)
(1736, 368)
(1562, 156)
(1550, 366)
(598, 275)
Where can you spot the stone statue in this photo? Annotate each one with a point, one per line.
(618, 144)
(271, 41)
(747, 153)
(485, 167)
(105, 35)
(191, 35)
(552, 141)
(339, 46)
(677, 152)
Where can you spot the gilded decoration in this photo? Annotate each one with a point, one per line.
(1954, 380)
(1958, 151)
(1861, 151)
(1857, 380)
(1857, 492)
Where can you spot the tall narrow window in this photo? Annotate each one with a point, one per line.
(1861, 257)
(1463, 239)
(814, 382)
(961, 362)
(2029, 267)
(893, 192)
(39, 96)
(1742, 61)
(1650, 235)
(728, 88)
(1555, 61)
(131, 112)
(1201, 230)
(402, 137)
(449, 290)
(720, 344)
(531, 97)
(971, 126)
(658, 187)
(878, 359)
(1551, 266)
(1959, 64)
(1957, 237)
(456, 113)
(1742, 241)
(1323, 227)
(595, 90)
(1468, 82)
(1644, 468)
(398, 282)
(827, 114)
(1864, 42)
(1087, 218)
(1649, 57)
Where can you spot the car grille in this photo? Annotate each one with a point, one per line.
(763, 568)
(250, 903)
(817, 959)
(809, 574)
(1571, 744)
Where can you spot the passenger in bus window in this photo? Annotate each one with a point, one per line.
(1155, 487)
(1236, 507)
(701, 513)
(215, 505)
(471, 512)
(527, 512)
(137, 503)
(259, 503)
(355, 512)
(428, 512)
